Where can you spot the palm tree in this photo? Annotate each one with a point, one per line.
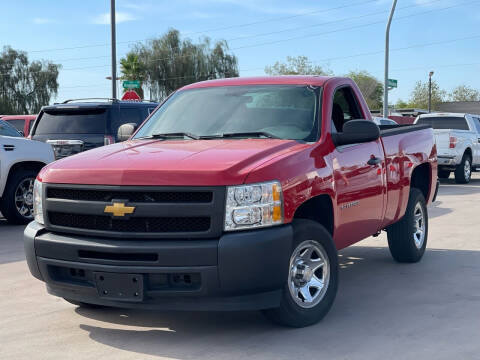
(133, 69)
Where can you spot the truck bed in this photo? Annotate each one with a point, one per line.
(403, 152)
(391, 130)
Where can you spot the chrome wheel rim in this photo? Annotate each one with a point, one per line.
(467, 169)
(309, 274)
(24, 198)
(418, 226)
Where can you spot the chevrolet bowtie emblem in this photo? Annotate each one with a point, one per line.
(119, 209)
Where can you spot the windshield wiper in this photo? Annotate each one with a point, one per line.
(171, 135)
(241, 135)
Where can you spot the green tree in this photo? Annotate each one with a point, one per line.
(371, 88)
(401, 104)
(133, 69)
(25, 86)
(299, 65)
(419, 95)
(169, 62)
(464, 93)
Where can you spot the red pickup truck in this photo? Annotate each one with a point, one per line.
(235, 194)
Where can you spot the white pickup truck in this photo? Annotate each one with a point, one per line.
(458, 143)
(20, 161)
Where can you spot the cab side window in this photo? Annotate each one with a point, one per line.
(17, 123)
(344, 108)
(8, 130)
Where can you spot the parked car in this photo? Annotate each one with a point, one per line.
(235, 195)
(77, 125)
(458, 143)
(8, 130)
(20, 162)
(22, 123)
(380, 121)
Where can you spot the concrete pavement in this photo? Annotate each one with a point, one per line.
(383, 310)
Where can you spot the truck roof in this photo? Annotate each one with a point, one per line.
(17, 117)
(441, 114)
(315, 80)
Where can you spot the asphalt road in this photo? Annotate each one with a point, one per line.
(383, 310)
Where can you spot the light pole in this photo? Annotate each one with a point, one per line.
(430, 74)
(118, 79)
(387, 44)
(114, 50)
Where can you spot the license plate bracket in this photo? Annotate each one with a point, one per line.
(119, 287)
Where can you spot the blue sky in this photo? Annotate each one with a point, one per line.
(343, 35)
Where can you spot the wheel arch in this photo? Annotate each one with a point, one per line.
(319, 209)
(21, 165)
(421, 179)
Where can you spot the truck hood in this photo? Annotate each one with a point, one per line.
(168, 162)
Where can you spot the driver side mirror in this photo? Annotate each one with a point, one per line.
(125, 131)
(357, 131)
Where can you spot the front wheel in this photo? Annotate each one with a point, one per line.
(17, 202)
(312, 280)
(407, 239)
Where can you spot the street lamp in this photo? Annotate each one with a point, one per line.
(387, 45)
(116, 87)
(430, 74)
(114, 50)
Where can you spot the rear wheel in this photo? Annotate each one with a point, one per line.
(312, 280)
(444, 174)
(463, 172)
(17, 201)
(407, 239)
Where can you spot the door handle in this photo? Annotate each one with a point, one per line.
(374, 161)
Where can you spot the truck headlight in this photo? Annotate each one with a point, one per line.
(254, 205)
(37, 202)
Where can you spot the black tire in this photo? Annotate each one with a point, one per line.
(83, 305)
(444, 174)
(461, 176)
(290, 313)
(8, 205)
(401, 238)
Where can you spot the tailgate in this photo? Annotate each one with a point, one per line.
(442, 139)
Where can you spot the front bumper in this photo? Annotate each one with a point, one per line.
(239, 271)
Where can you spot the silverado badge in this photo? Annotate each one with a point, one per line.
(118, 209)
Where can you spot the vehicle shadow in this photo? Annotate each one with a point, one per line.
(450, 187)
(436, 210)
(11, 242)
(390, 304)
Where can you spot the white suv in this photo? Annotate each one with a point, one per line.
(20, 161)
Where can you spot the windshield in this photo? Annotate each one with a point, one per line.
(87, 121)
(445, 122)
(286, 112)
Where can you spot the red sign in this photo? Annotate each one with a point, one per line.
(131, 95)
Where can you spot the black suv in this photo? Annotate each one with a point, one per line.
(83, 124)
